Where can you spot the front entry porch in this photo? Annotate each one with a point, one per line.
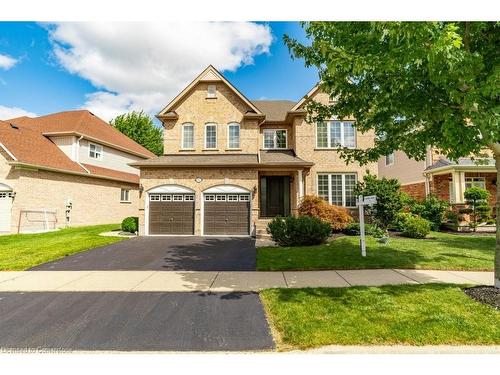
(275, 196)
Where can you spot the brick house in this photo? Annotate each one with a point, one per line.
(67, 168)
(231, 164)
(439, 176)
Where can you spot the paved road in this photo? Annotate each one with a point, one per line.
(164, 253)
(133, 321)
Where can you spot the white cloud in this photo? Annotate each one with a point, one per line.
(7, 62)
(144, 65)
(11, 112)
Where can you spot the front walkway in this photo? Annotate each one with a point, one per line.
(184, 281)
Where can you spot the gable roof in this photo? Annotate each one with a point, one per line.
(26, 146)
(306, 97)
(275, 110)
(83, 122)
(210, 74)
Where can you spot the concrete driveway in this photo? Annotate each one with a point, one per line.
(164, 253)
(133, 321)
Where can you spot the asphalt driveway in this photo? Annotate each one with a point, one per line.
(133, 321)
(164, 253)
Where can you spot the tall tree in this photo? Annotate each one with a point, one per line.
(140, 127)
(414, 83)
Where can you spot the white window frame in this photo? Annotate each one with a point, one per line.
(479, 182)
(222, 197)
(275, 139)
(388, 160)
(189, 198)
(96, 151)
(231, 124)
(177, 197)
(244, 198)
(211, 91)
(329, 124)
(187, 124)
(330, 195)
(167, 197)
(127, 195)
(154, 197)
(216, 136)
(209, 197)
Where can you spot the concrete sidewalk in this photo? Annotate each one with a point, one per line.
(180, 281)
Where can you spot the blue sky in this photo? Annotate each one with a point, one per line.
(68, 66)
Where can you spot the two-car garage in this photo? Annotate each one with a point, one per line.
(224, 210)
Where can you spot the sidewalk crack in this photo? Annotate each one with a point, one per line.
(213, 281)
(284, 278)
(408, 277)
(342, 277)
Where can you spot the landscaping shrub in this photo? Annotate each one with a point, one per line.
(130, 224)
(416, 227)
(400, 220)
(477, 200)
(353, 229)
(432, 209)
(338, 217)
(298, 231)
(452, 217)
(389, 199)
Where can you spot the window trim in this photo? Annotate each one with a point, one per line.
(473, 183)
(228, 135)
(393, 159)
(342, 135)
(101, 153)
(205, 136)
(275, 139)
(330, 191)
(127, 200)
(184, 125)
(210, 96)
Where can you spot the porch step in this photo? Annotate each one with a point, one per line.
(261, 228)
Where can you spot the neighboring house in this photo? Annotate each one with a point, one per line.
(230, 164)
(67, 168)
(439, 176)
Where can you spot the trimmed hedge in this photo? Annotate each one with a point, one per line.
(416, 227)
(298, 231)
(130, 224)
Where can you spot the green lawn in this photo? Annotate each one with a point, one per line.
(406, 315)
(22, 251)
(438, 251)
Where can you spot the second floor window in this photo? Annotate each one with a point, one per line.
(233, 136)
(95, 151)
(211, 136)
(332, 134)
(389, 159)
(274, 138)
(188, 136)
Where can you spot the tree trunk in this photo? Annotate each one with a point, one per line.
(497, 247)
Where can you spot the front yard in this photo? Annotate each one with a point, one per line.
(444, 251)
(388, 315)
(22, 251)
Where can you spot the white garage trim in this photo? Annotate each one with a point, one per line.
(5, 187)
(224, 189)
(5, 208)
(168, 189)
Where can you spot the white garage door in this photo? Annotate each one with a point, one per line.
(5, 211)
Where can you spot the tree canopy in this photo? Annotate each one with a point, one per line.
(140, 127)
(416, 84)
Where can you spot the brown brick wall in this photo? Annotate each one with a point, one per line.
(416, 191)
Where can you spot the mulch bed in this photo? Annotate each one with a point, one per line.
(485, 294)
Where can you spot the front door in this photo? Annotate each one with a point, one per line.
(274, 196)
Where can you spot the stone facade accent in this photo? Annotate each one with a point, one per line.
(416, 191)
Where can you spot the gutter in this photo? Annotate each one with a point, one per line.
(51, 169)
(473, 168)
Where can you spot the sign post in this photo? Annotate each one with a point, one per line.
(362, 202)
